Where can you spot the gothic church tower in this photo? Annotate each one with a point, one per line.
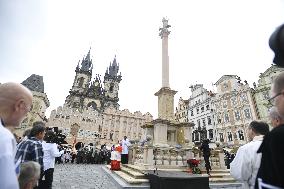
(111, 85)
(80, 87)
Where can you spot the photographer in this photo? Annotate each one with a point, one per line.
(50, 152)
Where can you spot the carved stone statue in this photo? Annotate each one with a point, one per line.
(164, 30)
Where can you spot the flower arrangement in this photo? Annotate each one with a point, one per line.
(193, 165)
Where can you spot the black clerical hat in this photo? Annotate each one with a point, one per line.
(276, 43)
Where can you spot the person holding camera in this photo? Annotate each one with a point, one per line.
(50, 151)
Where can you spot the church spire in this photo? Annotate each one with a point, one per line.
(86, 64)
(88, 57)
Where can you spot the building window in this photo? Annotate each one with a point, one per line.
(241, 135)
(221, 137)
(111, 87)
(219, 118)
(202, 109)
(198, 123)
(225, 104)
(191, 112)
(244, 97)
(197, 136)
(247, 113)
(197, 110)
(237, 115)
(230, 136)
(203, 121)
(210, 133)
(80, 81)
(234, 101)
(207, 107)
(226, 117)
(209, 120)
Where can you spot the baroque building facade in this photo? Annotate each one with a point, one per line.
(262, 92)
(200, 112)
(91, 126)
(234, 110)
(91, 112)
(39, 105)
(181, 114)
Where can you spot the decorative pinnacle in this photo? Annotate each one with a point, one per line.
(164, 30)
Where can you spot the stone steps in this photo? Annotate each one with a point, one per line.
(135, 174)
(221, 180)
(128, 175)
(129, 179)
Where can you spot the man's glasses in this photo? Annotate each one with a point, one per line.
(272, 99)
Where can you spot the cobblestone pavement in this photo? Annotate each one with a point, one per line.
(83, 176)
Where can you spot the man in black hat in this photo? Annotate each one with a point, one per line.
(276, 43)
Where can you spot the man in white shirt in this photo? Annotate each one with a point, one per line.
(50, 152)
(15, 103)
(245, 165)
(124, 154)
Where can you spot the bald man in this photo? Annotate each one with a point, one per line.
(15, 103)
(276, 119)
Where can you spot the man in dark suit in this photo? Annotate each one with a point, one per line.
(206, 154)
(271, 171)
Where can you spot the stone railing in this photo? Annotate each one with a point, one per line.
(149, 155)
(216, 158)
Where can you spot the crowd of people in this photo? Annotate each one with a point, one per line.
(30, 162)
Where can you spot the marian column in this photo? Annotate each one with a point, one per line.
(165, 94)
(164, 33)
(166, 131)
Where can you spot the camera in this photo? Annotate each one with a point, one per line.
(57, 137)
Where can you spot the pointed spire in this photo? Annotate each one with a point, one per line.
(114, 64)
(78, 66)
(86, 64)
(88, 57)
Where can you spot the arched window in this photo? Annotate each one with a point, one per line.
(92, 105)
(111, 87)
(80, 82)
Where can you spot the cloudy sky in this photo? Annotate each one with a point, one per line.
(208, 39)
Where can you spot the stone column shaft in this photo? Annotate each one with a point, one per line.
(165, 62)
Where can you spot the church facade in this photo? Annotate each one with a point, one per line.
(87, 93)
(91, 112)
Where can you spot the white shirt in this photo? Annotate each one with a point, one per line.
(50, 151)
(115, 155)
(8, 177)
(125, 144)
(245, 165)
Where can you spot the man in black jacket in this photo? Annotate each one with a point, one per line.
(271, 171)
(206, 154)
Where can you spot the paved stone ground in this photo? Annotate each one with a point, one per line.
(83, 176)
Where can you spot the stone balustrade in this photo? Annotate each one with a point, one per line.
(169, 156)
